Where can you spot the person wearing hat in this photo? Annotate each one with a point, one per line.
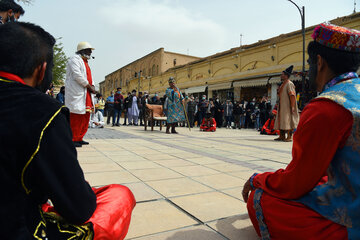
(80, 90)
(317, 196)
(287, 118)
(175, 107)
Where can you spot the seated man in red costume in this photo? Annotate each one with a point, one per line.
(268, 128)
(39, 160)
(317, 196)
(208, 124)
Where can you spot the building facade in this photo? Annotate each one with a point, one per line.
(239, 73)
(133, 75)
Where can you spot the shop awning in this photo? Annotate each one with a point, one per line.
(251, 82)
(198, 89)
(256, 82)
(219, 86)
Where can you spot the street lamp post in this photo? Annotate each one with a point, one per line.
(302, 14)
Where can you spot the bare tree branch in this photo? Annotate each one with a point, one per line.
(28, 2)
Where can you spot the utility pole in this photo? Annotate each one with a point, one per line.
(241, 39)
(302, 15)
(139, 80)
(354, 6)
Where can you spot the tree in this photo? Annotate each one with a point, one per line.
(60, 60)
(26, 1)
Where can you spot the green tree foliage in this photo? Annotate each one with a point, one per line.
(60, 61)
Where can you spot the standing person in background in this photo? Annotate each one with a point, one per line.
(156, 100)
(175, 107)
(140, 100)
(191, 108)
(242, 116)
(211, 107)
(257, 117)
(237, 111)
(126, 107)
(145, 100)
(287, 117)
(263, 111)
(61, 95)
(118, 102)
(202, 108)
(228, 112)
(250, 107)
(219, 111)
(79, 92)
(133, 109)
(101, 104)
(110, 107)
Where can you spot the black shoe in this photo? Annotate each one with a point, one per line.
(136, 125)
(77, 144)
(84, 143)
(118, 125)
(130, 124)
(124, 124)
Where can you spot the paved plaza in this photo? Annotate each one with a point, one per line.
(187, 185)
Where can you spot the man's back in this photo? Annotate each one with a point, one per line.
(38, 162)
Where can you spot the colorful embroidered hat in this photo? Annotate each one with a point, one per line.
(337, 37)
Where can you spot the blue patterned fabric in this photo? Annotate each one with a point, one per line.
(339, 199)
(259, 215)
(252, 179)
(175, 109)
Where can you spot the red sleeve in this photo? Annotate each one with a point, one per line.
(323, 128)
(214, 122)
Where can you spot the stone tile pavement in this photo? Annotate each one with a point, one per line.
(187, 185)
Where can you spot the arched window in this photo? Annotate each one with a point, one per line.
(153, 70)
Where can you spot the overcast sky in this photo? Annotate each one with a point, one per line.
(122, 31)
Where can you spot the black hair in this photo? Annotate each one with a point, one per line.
(24, 47)
(7, 5)
(339, 61)
(118, 88)
(18, 9)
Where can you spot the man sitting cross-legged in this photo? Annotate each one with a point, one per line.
(38, 160)
(317, 195)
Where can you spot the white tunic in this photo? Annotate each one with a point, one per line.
(75, 85)
(96, 118)
(134, 107)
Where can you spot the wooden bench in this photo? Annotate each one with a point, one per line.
(154, 113)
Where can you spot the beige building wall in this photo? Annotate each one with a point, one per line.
(151, 65)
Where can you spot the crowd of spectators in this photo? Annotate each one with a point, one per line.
(227, 113)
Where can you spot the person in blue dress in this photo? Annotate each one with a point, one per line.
(175, 107)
